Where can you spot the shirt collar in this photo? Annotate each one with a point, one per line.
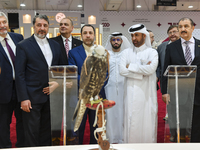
(40, 40)
(64, 38)
(141, 48)
(7, 36)
(190, 41)
(87, 48)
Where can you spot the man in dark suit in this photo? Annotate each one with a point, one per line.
(67, 42)
(8, 97)
(173, 35)
(66, 27)
(77, 57)
(34, 56)
(185, 51)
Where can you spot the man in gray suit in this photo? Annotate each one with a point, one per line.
(173, 35)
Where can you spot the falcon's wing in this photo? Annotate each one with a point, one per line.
(86, 71)
(84, 79)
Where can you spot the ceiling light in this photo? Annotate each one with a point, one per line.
(23, 5)
(190, 6)
(79, 6)
(139, 6)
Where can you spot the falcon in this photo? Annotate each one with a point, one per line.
(93, 76)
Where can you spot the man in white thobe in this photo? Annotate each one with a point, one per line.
(138, 64)
(114, 89)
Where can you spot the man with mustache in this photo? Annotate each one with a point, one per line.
(185, 51)
(34, 56)
(173, 35)
(77, 57)
(114, 89)
(66, 41)
(8, 97)
(138, 64)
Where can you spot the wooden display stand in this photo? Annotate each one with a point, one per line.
(104, 144)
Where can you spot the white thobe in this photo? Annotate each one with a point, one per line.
(140, 96)
(114, 91)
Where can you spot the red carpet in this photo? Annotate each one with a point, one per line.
(161, 115)
(160, 131)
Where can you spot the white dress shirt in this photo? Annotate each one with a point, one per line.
(45, 48)
(69, 41)
(13, 47)
(88, 50)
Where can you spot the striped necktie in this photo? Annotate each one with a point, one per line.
(12, 55)
(188, 55)
(67, 47)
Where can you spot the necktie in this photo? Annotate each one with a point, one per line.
(10, 51)
(67, 47)
(188, 55)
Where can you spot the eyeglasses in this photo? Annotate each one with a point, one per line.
(173, 32)
(116, 40)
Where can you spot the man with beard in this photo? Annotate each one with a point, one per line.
(114, 89)
(66, 41)
(138, 64)
(8, 97)
(34, 56)
(77, 57)
(185, 51)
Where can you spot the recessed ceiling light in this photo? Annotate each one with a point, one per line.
(23, 5)
(79, 6)
(190, 6)
(139, 6)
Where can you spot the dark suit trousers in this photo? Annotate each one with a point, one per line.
(195, 134)
(37, 125)
(91, 114)
(6, 111)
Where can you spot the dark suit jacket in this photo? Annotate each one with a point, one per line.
(174, 56)
(6, 75)
(77, 57)
(75, 43)
(161, 53)
(32, 69)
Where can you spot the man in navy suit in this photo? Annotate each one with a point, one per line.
(77, 57)
(66, 27)
(8, 97)
(175, 55)
(34, 56)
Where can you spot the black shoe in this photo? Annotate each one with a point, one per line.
(165, 118)
(182, 139)
(173, 139)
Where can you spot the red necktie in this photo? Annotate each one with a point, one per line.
(10, 51)
(67, 47)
